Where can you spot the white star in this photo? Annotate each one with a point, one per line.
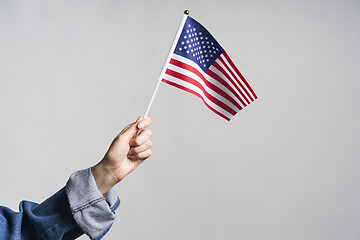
(185, 37)
(185, 47)
(187, 31)
(189, 36)
(211, 55)
(187, 51)
(180, 49)
(212, 43)
(204, 65)
(200, 33)
(189, 25)
(189, 45)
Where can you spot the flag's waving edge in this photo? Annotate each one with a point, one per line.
(199, 65)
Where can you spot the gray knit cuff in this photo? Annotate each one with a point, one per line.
(92, 211)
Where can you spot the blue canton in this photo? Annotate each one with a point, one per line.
(197, 44)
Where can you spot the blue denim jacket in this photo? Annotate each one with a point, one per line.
(76, 209)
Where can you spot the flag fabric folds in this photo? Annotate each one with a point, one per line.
(199, 65)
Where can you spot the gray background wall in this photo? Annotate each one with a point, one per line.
(74, 73)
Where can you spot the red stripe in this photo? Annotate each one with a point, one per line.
(197, 84)
(209, 84)
(223, 82)
(195, 93)
(239, 73)
(237, 80)
(215, 64)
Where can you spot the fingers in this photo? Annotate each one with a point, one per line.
(141, 156)
(142, 148)
(129, 131)
(144, 123)
(144, 136)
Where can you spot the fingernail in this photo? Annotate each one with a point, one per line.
(141, 125)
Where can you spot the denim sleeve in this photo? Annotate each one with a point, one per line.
(92, 211)
(52, 219)
(76, 209)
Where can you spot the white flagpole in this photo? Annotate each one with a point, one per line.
(177, 36)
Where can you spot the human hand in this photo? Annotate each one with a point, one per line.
(127, 151)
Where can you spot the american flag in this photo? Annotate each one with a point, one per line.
(199, 65)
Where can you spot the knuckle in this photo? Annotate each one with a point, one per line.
(149, 143)
(148, 132)
(137, 142)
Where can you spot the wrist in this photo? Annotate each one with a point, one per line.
(103, 177)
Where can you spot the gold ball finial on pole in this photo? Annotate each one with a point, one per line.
(186, 12)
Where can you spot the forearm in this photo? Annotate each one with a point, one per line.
(104, 178)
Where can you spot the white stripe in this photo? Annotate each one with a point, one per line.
(197, 90)
(232, 78)
(220, 74)
(201, 82)
(211, 79)
(237, 76)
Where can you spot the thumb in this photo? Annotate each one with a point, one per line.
(130, 130)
